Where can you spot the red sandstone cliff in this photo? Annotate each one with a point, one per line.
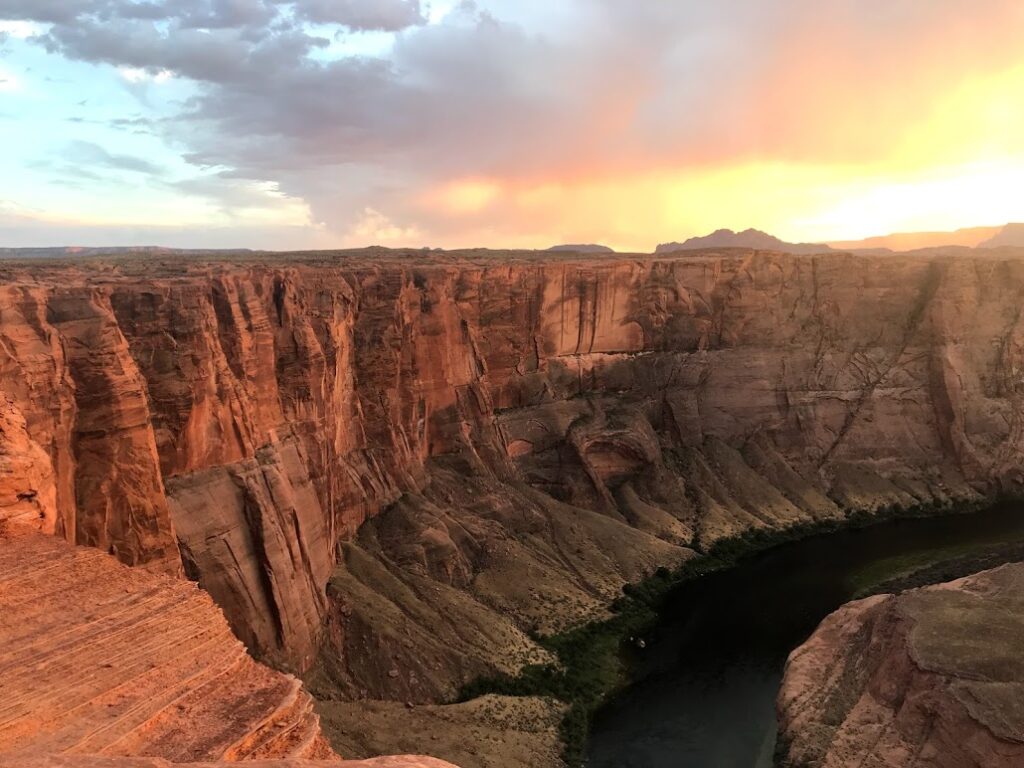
(539, 428)
(931, 678)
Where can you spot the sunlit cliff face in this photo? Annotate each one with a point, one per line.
(507, 124)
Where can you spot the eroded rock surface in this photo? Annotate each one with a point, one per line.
(931, 678)
(100, 659)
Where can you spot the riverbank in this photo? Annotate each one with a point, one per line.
(593, 659)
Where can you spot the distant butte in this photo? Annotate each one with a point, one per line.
(1012, 235)
(585, 248)
(748, 238)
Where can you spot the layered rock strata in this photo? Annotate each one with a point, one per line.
(91, 761)
(390, 469)
(100, 659)
(930, 678)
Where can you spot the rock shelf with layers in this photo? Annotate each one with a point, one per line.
(100, 659)
(930, 678)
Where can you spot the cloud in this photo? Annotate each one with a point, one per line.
(363, 15)
(26, 232)
(468, 118)
(44, 11)
(19, 29)
(374, 228)
(242, 198)
(88, 154)
(135, 75)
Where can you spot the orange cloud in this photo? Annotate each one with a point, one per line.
(955, 160)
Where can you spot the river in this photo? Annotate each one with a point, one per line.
(704, 686)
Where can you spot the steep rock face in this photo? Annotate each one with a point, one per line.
(263, 517)
(241, 419)
(451, 584)
(931, 678)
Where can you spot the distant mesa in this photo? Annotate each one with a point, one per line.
(585, 248)
(57, 252)
(970, 237)
(748, 238)
(1010, 235)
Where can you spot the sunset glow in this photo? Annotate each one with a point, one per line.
(506, 124)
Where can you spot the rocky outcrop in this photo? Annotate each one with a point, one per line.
(455, 583)
(930, 678)
(525, 431)
(100, 659)
(89, 761)
(489, 731)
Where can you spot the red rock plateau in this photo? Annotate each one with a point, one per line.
(931, 678)
(390, 468)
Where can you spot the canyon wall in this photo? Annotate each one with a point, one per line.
(524, 432)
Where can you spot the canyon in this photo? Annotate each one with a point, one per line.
(394, 471)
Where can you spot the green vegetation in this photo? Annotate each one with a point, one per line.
(591, 663)
(934, 567)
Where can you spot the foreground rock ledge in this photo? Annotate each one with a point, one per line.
(100, 659)
(80, 761)
(930, 677)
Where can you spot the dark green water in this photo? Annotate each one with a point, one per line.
(705, 685)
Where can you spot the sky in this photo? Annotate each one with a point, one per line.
(293, 124)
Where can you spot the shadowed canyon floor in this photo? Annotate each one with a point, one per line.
(394, 471)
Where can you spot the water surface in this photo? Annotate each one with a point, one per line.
(706, 682)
